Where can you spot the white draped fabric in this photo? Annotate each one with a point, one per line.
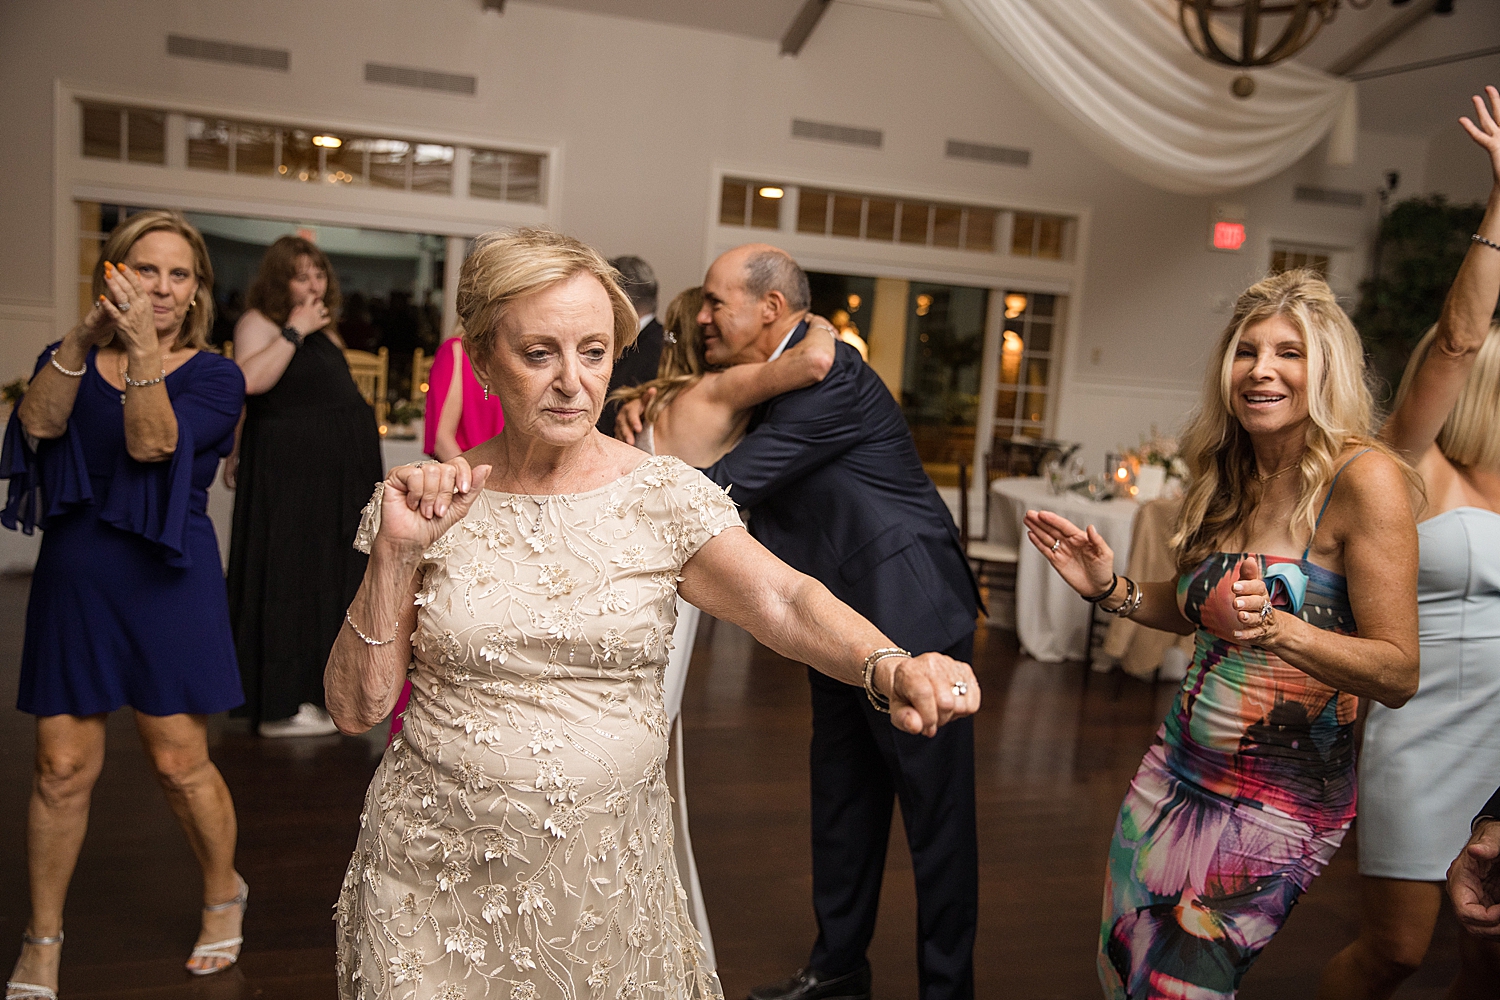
(1119, 75)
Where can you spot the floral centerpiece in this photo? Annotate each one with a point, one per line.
(1159, 468)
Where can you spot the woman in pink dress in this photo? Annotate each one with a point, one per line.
(459, 413)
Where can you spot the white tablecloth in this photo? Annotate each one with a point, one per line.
(1051, 620)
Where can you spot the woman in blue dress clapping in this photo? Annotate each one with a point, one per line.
(111, 453)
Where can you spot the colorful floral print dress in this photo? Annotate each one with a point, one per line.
(1239, 804)
(517, 837)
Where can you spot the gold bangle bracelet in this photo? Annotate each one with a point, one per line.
(880, 701)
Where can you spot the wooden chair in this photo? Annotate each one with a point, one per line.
(421, 368)
(371, 373)
(994, 564)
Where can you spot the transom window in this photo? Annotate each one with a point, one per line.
(138, 135)
(1290, 256)
(757, 204)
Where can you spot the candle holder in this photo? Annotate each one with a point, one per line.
(1121, 472)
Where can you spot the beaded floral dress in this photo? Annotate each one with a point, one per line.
(516, 840)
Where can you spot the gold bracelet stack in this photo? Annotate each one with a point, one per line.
(880, 701)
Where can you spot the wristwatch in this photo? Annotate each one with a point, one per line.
(290, 333)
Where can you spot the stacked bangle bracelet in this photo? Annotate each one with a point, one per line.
(1131, 604)
(880, 701)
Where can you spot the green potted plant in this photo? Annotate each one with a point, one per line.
(403, 419)
(1418, 249)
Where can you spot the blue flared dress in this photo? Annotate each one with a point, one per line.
(128, 605)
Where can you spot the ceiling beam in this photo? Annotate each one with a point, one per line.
(1381, 37)
(802, 26)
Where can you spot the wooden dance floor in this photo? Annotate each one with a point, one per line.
(1056, 748)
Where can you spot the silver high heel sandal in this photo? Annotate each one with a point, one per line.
(31, 991)
(217, 949)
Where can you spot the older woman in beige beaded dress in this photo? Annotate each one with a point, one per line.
(517, 839)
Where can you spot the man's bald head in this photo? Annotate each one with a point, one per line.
(753, 296)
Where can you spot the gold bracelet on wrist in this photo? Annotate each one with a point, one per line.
(880, 701)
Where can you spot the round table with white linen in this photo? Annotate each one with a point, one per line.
(1052, 621)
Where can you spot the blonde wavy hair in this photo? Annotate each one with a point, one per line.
(200, 318)
(1224, 489)
(1471, 435)
(505, 267)
(682, 362)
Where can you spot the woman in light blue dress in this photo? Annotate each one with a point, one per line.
(1428, 766)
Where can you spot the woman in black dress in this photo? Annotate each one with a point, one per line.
(308, 455)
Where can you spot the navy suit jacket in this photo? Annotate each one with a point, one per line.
(1491, 808)
(836, 490)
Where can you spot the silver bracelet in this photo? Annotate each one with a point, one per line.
(80, 373)
(367, 639)
(1489, 243)
(150, 381)
(880, 701)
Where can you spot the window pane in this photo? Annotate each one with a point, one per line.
(946, 219)
(880, 223)
(1011, 347)
(1040, 339)
(523, 181)
(812, 210)
(207, 144)
(980, 234)
(432, 169)
(345, 164)
(846, 211)
(914, 222)
(1005, 403)
(388, 163)
(299, 157)
(101, 131)
(940, 380)
(1043, 305)
(254, 149)
(1049, 238)
(765, 213)
(1036, 395)
(1022, 234)
(148, 137)
(732, 202)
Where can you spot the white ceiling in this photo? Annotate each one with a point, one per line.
(1419, 102)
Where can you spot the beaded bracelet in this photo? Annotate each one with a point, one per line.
(150, 381)
(1489, 243)
(880, 701)
(367, 639)
(80, 373)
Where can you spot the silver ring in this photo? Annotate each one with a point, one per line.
(1057, 545)
(1266, 613)
(960, 689)
(123, 306)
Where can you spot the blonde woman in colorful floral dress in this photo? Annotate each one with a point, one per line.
(517, 839)
(1297, 574)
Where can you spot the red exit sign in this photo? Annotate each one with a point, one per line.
(1228, 235)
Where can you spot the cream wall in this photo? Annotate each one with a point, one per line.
(642, 114)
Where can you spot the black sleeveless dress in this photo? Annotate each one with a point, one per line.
(309, 456)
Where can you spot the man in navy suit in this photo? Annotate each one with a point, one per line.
(835, 488)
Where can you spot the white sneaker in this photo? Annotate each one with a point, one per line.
(310, 720)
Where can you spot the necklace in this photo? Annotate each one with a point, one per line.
(1266, 479)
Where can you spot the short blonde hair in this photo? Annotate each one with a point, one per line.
(505, 267)
(200, 317)
(1224, 489)
(1471, 435)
